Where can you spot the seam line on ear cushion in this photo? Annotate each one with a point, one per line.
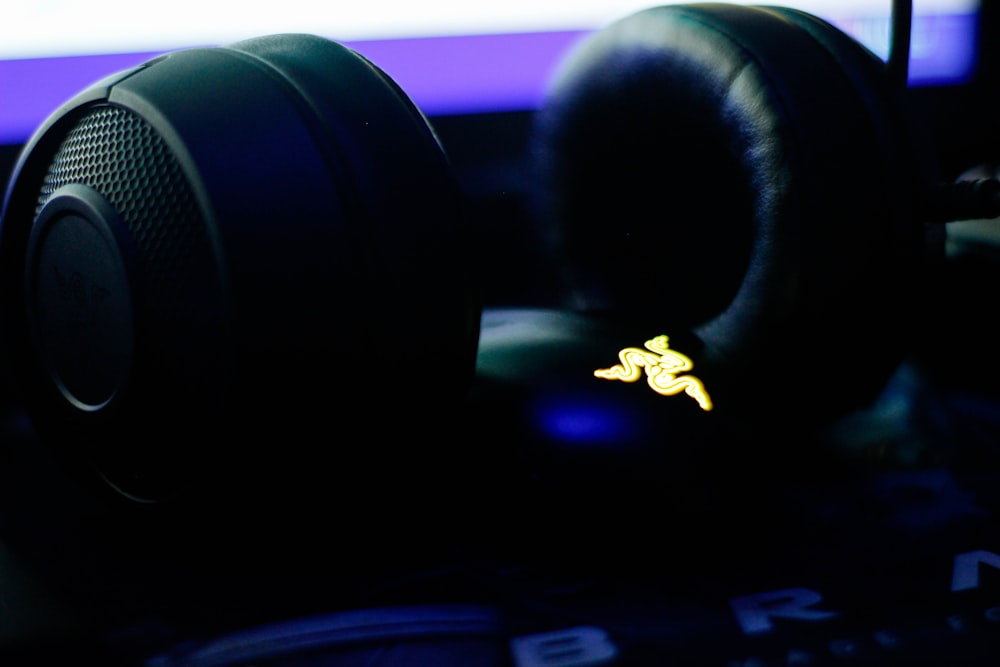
(391, 103)
(395, 91)
(318, 126)
(402, 187)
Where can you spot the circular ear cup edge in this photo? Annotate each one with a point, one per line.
(297, 307)
(815, 286)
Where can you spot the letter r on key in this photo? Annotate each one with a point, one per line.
(755, 612)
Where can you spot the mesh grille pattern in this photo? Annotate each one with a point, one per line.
(117, 154)
(176, 291)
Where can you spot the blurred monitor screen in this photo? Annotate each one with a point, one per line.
(451, 57)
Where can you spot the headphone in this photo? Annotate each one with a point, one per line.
(239, 294)
(238, 271)
(224, 265)
(746, 219)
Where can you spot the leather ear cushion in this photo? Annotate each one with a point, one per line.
(407, 196)
(902, 144)
(715, 168)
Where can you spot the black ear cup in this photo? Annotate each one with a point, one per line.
(744, 181)
(736, 201)
(238, 270)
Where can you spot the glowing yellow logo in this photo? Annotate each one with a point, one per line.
(663, 368)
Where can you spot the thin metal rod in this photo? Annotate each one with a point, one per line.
(899, 42)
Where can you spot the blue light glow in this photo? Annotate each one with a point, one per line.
(587, 421)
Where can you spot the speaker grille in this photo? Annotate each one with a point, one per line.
(116, 153)
(177, 291)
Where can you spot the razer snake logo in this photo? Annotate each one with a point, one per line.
(664, 370)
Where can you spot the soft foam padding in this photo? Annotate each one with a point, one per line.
(749, 175)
